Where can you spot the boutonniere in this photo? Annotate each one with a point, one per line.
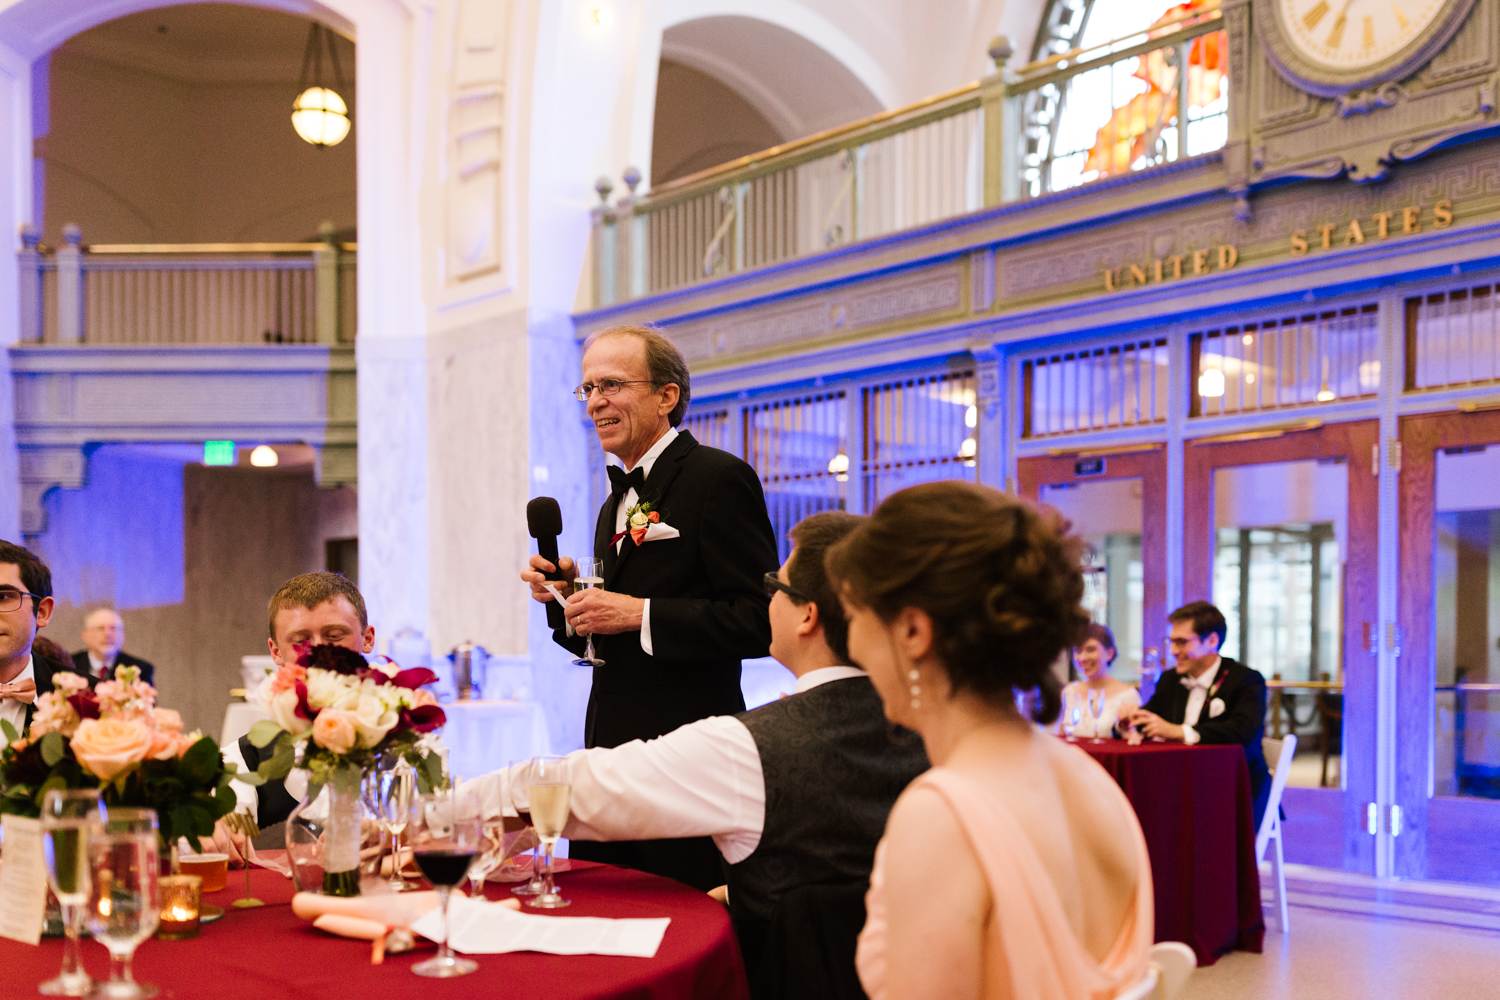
(638, 521)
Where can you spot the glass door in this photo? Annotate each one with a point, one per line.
(1279, 533)
(1117, 504)
(1448, 675)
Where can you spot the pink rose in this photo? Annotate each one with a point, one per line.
(18, 745)
(184, 743)
(168, 720)
(287, 677)
(422, 696)
(110, 747)
(163, 745)
(335, 729)
(69, 682)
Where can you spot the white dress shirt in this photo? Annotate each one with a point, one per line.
(1198, 688)
(13, 711)
(98, 666)
(700, 780)
(628, 501)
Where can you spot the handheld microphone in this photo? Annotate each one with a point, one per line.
(544, 522)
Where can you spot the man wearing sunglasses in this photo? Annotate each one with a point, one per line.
(795, 794)
(25, 606)
(680, 604)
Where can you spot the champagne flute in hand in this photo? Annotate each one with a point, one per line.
(446, 838)
(590, 574)
(69, 818)
(548, 794)
(124, 905)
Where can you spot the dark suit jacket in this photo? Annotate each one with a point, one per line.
(122, 659)
(1243, 720)
(708, 603)
(42, 670)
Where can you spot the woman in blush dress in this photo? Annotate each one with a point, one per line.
(1015, 868)
(1092, 707)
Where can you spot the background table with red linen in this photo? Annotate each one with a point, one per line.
(269, 954)
(1194, 807)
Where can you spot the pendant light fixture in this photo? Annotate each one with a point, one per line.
(319, 113)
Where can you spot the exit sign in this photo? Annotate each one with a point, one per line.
(218, 453)
(1089, 467)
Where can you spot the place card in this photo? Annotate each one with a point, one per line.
(23, 880)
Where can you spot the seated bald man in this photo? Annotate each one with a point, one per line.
(317, 609)
(795, 794)
(104, 649)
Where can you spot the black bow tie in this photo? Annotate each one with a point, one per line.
(622, 482)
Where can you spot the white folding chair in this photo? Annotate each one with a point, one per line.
(1174, 963)
(1281, 752)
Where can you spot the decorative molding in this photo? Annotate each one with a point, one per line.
(474, 188)
(1364, 101)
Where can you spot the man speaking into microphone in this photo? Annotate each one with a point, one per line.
(686, 542)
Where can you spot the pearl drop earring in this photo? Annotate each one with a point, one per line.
(916, 689)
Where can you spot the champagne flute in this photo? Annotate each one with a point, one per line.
(446, 838)
(1096, 709)
(517, 772)
(590, 574)
(1070, 713)
(69, 818)
(123, 907)
(397, 791)
(548, 791)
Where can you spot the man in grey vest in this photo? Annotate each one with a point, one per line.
(795, 794)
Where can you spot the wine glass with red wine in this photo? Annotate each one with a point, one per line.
(447, 835)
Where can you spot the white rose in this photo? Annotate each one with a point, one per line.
(283, 709)
(640, 519)
(373, 719)
(326, 689)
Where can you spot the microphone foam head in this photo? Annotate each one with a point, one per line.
(543, 517)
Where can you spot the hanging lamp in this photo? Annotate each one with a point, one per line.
(319, 114)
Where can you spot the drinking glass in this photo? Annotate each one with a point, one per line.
(123, 907)
(517, 772)
(69, 818)
(446, 837)
(1071, 714)
(1096, 709)
(590, 574)
(394, 797)
(548, 789)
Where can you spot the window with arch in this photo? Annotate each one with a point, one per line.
(1105, 93)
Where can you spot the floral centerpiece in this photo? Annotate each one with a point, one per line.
(346, 715)
(115, 738)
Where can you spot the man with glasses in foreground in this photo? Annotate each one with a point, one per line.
(795, 794)
(685, 541)
(25, 606)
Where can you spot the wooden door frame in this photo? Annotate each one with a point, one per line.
(1352, 441)
(1149, 465)
(1416, 668)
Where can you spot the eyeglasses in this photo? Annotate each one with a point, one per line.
(606, 387)
(10, 600)
(773, 584)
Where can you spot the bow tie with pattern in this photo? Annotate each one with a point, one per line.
(622, 482)
(22, 691)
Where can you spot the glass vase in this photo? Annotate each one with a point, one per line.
(323, 841)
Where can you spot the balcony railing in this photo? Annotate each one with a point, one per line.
(200, 293)
(1137, 102)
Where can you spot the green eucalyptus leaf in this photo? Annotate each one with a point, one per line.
(263, 732)
(10, 731)
(200, 763)
(252, 778)
(54, 749)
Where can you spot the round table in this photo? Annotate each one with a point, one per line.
(1194, 808)
(269, 954)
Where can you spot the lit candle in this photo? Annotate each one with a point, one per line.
(179, 907)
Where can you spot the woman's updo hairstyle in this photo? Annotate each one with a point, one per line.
(1000, 578)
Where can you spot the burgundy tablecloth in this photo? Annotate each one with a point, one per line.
(269, 954)
(1195, 810)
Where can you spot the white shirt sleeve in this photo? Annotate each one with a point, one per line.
(245, 795)
(1189, 735)
(646, 627)
(702, 780)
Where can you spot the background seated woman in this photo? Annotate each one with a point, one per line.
(1093, 706)
(1015, 867)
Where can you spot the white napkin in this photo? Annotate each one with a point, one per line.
(476, 927)
(660, 531)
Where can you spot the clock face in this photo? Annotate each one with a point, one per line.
(1352, 34)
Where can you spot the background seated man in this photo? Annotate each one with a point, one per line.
(317, 609)
(794, 793)
(1209, 698)
(104, 641)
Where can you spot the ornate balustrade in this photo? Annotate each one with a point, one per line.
(200, 293)
(997, 140)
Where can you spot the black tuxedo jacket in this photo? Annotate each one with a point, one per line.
(122, 659)
(42, 671)
(708, 603)
(1243, 720)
